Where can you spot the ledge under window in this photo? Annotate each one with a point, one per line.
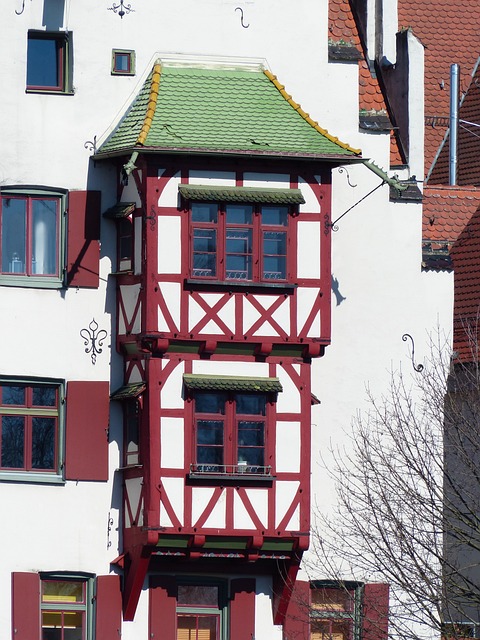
(238, 473)
(232, 285)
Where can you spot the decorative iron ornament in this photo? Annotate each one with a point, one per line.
(121, 8)
(344, 170)
(109, 529)
(419, 367)
(245, 26)
(93, 339)
(91, 145)
(152, 217)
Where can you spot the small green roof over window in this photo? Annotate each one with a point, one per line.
(128, 391)
(241, 194)
(120, 210)
(197, 382)
(193, 109)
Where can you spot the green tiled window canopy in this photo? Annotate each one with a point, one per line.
(128, 391)
(241, 194)
(202, 382)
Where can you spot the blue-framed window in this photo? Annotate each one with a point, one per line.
(49, 59)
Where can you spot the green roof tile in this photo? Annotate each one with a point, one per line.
(128, 391)
(241, 194)
(220, 111)
(198, 382)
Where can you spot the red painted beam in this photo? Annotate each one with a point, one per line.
(284, 583)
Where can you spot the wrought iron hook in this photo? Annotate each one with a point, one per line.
(245, 26)
(419, 367)
(19, 13)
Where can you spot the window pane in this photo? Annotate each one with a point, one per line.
(63, 591)
(204, 212)
(14, 233)
(204, 252)
(43, 443)
(251, 404)
(275, 215)
(122, 62)
(251, 434)
(43, 62)
(239, 214)
(239, 254)
(13, 395)
(206, 595)
(44, 396)
(13, 442)
(210, 432)
(331, 599)
(44, 236)
(51, 625)
(274, 255)
(197, 627)
(210, 402)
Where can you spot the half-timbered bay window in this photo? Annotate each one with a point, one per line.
(240, 234)
(230, 423)
(30, 414)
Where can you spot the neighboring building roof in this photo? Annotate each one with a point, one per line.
(446, 212)
(466, 259)
(468, 142)
(449, 31)
(220, 110)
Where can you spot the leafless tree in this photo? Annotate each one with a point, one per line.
(409, 498)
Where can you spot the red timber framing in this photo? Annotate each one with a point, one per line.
(264, 522)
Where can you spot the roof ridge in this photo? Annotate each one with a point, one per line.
(306, 116)
(152, 103)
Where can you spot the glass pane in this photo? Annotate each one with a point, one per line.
(330, 630)
(14, 233)
(51, 625)
(197, 627)
(210, 432)
(42, 62)
(274, 255)
(192, 594)
(210, 402)
(239, 214)
(253, 457)
(275, 215)
(251, 434)
(330, 599)
(63, 591)
(239, 254)
(122, 62)
(204, 252)
(44, 236)
(204, 212)
(13, 395)
(210, 455)
(251, 404)
(44, 396)
(13, 442)
(275, 268)
(70, 622)
(43, 443)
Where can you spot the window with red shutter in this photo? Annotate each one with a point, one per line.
(83, 233)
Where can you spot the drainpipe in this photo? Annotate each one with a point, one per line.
(454, 82)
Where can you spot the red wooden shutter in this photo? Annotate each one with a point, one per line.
(162, 614)
(297, 620)
(83, 246)
(375, 612)
(108, 619)
(25, 606)
(86, 449)
(242, 609)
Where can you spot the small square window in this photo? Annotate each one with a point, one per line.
(123, 62)
(48, 62)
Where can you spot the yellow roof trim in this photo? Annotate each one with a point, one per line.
(306, 116)
(152, 104)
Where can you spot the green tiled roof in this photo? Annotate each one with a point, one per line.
(132, 390)
(120, 210)
(198, 382)
(241, 194)
(200, 110)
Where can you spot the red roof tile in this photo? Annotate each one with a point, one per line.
(446, 211)
(450, 34)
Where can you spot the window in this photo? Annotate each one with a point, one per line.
(48, 62)
(65, 608)
(239, 242)
(230, 423)
(31, 227)
(335, 611)
(199, 614)
(30, 434)
(123, 62)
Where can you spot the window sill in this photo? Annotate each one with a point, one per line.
(31, 477)
(31, 281)
(230, 478)
(231, 285)
(51, 92)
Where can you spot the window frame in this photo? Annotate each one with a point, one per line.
(258, 229)
(198, 610)
(130, 53)
(351, 614)
(64, 59)
(32, 475)
(86, 606)
(27, 278)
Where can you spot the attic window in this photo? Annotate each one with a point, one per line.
(123, 62)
